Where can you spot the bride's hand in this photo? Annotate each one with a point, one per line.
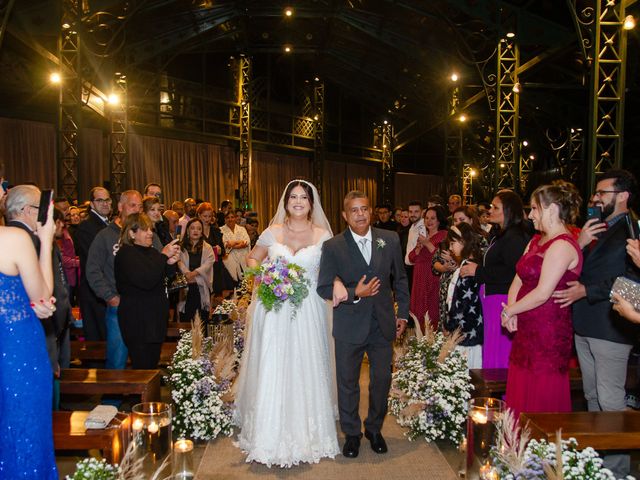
(339, 292)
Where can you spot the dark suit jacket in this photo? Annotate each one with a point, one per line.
(341, 257)
(593, 316)
(84, 235)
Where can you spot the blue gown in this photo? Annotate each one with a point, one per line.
(26, 389)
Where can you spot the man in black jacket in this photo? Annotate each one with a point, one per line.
(91, 307)
(603, 338)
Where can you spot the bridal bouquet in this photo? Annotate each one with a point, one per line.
(280, 281)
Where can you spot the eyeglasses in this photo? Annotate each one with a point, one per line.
(599, 193)
(102, 200)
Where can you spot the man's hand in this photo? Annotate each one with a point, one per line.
(401, 325)
(468, 269)
(590, 231)
(367, 289)
(566, 297)
(114, 301)
(340, 293)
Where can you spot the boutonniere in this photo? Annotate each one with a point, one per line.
(381, 243)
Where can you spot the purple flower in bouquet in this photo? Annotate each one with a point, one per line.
(267, 279)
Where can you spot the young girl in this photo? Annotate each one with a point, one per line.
(463, 299)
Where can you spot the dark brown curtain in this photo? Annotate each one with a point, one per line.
(339, 179)
(412, 186)
(183, 169)
(270, 173)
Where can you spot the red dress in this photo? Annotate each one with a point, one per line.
(538, 378)
(426, 285)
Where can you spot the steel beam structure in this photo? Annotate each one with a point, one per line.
(118, 139)
(70, 100)
(572, 170)
(606, 108)
(245, 153)
(318, 134)
(468, 172)
(453, 157)
(5, 12)
(507, 113)
(387, 164)
(525, 168)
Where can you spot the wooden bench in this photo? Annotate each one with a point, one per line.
(97, 351)
(174, 329)
(69, 433)
(600, 430)
(492, 382)
(93, 381)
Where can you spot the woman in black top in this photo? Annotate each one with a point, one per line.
(151, 206)
(213, 236)
(140, 271)
(496, 273)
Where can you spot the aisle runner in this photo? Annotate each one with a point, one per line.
(405, 460)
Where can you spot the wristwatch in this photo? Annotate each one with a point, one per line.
(356, 298)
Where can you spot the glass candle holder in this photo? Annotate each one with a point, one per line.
(151, 434)
(183, 460)
(484, 412)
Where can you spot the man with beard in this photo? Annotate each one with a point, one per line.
(189, 213)
(416, 229)
(604, 339)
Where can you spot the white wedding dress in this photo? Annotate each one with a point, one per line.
(285, 396)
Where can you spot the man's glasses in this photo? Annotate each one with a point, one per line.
(599, 193)
(103, 200)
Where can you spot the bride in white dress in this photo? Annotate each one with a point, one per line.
(285, 392)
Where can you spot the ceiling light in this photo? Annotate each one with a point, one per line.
(516, 87)
(287, 48)
(454, 77)
(510, 34)
(472, 172)
(532, 157)
(114, 99)
(316, 117)
(66, 25)
(288, 12)
(502, 165)
(462, 118)
(55, 78)
(316, 79)
(385, 122)
(629, 22)
(525, 143)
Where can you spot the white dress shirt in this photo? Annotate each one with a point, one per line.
(366, 254)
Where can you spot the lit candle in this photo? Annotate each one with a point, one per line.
(183, 446)
(183, 460)
(153, 427)
(479, 417)
(487, 472)
(137, 425)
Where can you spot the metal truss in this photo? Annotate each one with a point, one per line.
(507, 113)
(318, 134)
(118, 137)
(572, 170)
(453, 157)
(5, 12)
(467, 184)
(525, 168)
(387, 164)
(606, 109)
(70, 101)
(244, 99)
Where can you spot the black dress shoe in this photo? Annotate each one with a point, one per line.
(378, 444)
(351, 446)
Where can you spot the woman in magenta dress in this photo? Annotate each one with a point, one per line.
(424, 294)
(538, 378)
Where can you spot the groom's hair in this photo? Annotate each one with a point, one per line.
(352, 195)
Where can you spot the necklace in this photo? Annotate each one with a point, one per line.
(297, 231)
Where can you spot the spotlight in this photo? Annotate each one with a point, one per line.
(316, 117)
(472, 172)
(316, 79)
(510, 35)
(525, 143)
(454, 77)
(287, 48)
(532, 157)
(66, 25)
(113, 99)
(288, 12)
(385, 122)
(629, 22)
(516, 88)
(55, 78)
(462, 118)
(502, 165)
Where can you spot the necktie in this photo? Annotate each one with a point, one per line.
(364, 248)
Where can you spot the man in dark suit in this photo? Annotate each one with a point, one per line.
(360, 270)
(603, 338)
(92, 308)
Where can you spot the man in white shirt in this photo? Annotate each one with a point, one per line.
(417, 228)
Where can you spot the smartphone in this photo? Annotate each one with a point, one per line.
(178, 231)
(594, 212)
(632, 227)
(43, 209)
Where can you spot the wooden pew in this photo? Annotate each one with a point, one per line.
(69, 433)
(600, 430)
(97, 351)
(93, 381)
(492, 382)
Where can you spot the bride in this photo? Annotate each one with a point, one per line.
(285, 400)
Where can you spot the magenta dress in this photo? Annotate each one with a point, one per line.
(538, 378)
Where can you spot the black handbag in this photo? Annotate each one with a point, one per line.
(177, 283)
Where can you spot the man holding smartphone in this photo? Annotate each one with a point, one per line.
(603, 339)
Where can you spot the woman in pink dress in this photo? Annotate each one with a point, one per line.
(538, 378)
(424, 293)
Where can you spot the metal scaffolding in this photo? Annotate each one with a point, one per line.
(468, 173)
(70, 100)
(507, 112)
(606, 108)
(118, 137)
(318, 134)
(453, 146)
(387, 164)
(244, 100)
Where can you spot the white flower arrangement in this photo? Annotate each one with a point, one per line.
(93, 469)
(225, 308)
(381, 243)
(431, 388)
(200, 379)
(515, 457)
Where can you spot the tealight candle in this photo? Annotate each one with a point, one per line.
(153, 427)
(183, 460)
(137, 425)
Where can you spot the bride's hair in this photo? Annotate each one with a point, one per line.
(307, 189)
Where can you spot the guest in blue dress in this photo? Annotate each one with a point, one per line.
(26, 391)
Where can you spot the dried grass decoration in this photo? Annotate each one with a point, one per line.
(431, 387)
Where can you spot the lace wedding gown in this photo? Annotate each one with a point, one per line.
(285, 396)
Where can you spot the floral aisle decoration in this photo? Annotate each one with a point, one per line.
(279, 281)
(200, 377)
(431, 387)
(515, 457)
(225, 308)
